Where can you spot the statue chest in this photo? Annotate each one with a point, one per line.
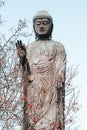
(41, 57)
(42, 49)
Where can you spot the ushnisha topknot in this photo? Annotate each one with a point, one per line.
(42, 14)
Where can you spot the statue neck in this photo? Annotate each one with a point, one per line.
(43, 37)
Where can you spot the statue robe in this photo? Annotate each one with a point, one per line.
(44, 104)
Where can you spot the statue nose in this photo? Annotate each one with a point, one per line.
(41, 25)
(41, 28)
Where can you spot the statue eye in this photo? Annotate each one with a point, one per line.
(46, 22)
(37, 23)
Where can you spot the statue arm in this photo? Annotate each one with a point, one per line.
(24, 64)
(60, 65)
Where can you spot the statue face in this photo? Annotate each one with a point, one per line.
(42, 26)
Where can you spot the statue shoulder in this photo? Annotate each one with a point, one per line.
(58, 45)
(29, 45)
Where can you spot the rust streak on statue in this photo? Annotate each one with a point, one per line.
(43, 67)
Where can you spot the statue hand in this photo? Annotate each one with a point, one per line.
(21, 50)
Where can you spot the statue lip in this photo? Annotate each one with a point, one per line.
(42, 30)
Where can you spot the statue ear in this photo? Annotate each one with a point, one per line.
(51, 28)
(50, 31)
(35, 31)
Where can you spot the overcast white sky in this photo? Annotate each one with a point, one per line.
(70, 28)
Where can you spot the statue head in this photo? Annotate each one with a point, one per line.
(43, 25)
